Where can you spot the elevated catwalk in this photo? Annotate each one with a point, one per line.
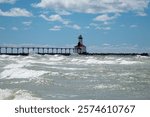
(25, 51)
(35, 50)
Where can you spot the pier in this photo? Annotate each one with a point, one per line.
(5, 50)
(25, 51)
(80, 49)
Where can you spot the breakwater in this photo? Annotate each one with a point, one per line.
(25, 51)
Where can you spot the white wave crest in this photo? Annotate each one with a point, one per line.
(21, 73)
(7, 94)
(102, 86)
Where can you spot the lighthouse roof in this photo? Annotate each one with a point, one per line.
(80, 37)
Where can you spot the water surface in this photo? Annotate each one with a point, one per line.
(74, 77)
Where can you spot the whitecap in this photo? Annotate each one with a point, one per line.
(78, 61)
(21, 73)
(19, 82)
(54, 73)
(71, 75)
(94, 61)
(56, 58)
(102, 86)
(24, 95)
(16, 65)
(124, 62)
(7, 94)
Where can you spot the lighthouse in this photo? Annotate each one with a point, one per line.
(80, 48)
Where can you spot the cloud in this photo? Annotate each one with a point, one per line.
(99, 27)
(56, 28)
(8, 1)
(141, 14)
(74, 26)
(95, 6)
(58, 18)
(63, 12)
(133, 26)
(27, 23)
(53, 18)
(14, 28)
(104, 18)
(2, 28)
(16, 12)
(103, 28)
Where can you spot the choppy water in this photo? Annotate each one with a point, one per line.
(74, 77)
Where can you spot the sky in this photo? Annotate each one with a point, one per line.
(106, 25)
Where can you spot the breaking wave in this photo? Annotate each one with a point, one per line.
(7, 94)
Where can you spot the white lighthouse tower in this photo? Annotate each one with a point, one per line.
(80, 48)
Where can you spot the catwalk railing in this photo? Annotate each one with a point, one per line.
(35, 50)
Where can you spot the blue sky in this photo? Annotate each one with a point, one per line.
(106, 25)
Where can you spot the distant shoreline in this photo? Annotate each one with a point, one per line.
(120, 54)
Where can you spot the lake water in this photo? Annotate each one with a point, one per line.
(74, 77)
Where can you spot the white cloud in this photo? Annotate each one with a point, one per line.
(27, 23)
(106, 28)
(104, 17)
(74, 26)
(56, 28)
(141, 14)
(15, 12)
(8, 1)
(133, 26)
(14, 28)
(95, 6)
(106, 23)
(99, 27)
(63, 12)
(58, 18)
(53, 18)
(102, 28)
(2, 28)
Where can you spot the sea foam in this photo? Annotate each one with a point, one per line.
(21, 73)
(7, 94)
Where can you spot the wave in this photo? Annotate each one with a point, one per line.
(108, 86)
(73, 77)
(7, 94)
(21, 73)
